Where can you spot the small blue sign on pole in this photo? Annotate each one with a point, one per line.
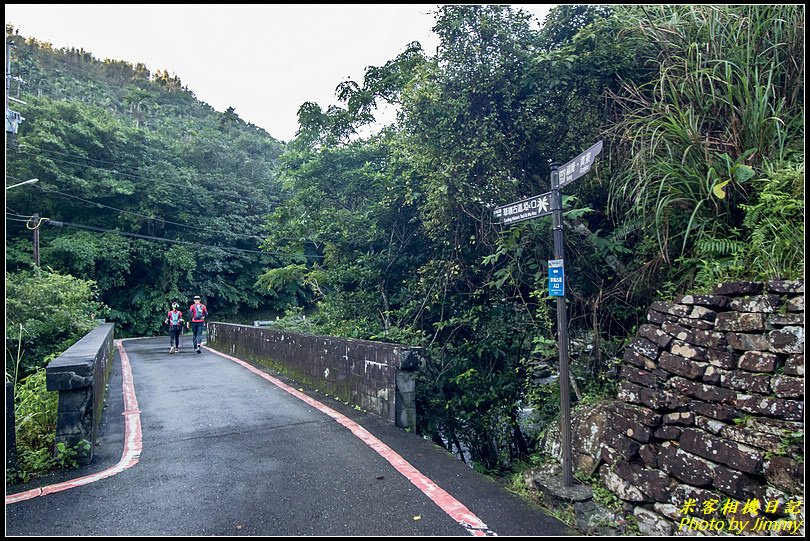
(556, 278)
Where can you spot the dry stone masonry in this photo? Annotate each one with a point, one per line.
(710, 407)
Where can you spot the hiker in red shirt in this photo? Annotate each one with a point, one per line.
(197, 313)
(174, 319)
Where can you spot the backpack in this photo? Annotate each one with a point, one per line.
(174, 318)
(198, 311)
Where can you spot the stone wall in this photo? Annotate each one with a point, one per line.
(710, 406)
(11, 433)
(377, 376)
(80, 376)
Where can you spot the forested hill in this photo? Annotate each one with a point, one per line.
(117, 148)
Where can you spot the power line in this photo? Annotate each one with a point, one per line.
(130, 212)
(165, 183)
(113, 171)
(58, 223)
(26, 145)
(143, 215)
(27, 219)
(12, 213)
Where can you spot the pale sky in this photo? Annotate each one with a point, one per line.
(264, 61)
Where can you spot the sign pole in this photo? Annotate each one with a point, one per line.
(534, 207)
(562, 334)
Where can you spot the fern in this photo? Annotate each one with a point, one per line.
(719, 247)
(776, 224)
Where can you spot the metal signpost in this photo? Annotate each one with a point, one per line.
(534, 207)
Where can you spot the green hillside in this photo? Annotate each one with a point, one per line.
(147, 191)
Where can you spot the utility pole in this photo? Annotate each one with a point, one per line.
(9, 45)
(13, 118)
(37, 222)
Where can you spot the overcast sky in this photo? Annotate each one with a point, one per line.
(262, 61)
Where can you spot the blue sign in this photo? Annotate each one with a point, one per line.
(556, 278)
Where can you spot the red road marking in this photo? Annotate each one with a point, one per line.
(440, 497)
(133, 446)
(132, 441)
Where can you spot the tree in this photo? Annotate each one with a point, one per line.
(46, 312)
(137, 100)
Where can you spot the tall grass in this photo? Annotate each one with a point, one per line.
(727, 95)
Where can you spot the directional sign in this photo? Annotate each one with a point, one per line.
(525, 209)
(580, 165)
(556, 278)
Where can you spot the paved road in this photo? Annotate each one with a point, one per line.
(226, 452)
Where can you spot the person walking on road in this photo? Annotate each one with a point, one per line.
(174, 319)
(197, 313)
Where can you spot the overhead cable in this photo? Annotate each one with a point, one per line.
(58, 223)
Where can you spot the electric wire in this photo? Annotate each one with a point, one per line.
(26, 145)
(29, 216)
(47, 190)
(59, 223)
(130, 212)
(113, 171)
(28, 219)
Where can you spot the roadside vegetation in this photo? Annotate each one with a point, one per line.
(391, 237)
(46, 313)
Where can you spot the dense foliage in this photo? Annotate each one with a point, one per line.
(143, 189)
(35, 411)
(46, 313)
(392, 237)
(701, 112)
(722, 113)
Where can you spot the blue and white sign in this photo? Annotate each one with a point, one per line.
(556, 278)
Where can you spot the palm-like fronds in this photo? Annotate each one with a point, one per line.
(776, 224)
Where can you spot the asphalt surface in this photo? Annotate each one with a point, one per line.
(226, 452)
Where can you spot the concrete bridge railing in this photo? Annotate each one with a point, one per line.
(80, 376)
(377, 376)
